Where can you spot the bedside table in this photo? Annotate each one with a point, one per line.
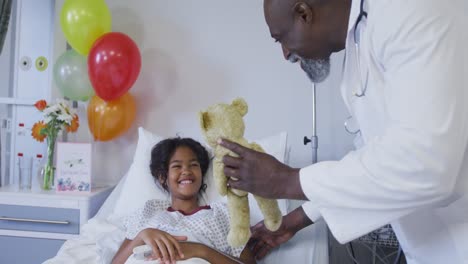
(34, 224)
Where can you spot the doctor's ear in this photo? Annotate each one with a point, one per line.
(303, 11)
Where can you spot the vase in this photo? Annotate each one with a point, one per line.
(47, 173)
(46, 183)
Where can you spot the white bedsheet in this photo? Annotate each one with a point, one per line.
(190, 261)
(84, 248)
(100, 239)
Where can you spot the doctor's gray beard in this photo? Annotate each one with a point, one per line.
(316, 70)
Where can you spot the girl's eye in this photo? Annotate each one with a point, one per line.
(195, 165)
(176, 166)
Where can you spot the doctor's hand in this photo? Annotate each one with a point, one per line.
(260, 173)
(264, 240)
(165, 246)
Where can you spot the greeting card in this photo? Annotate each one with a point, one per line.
(73, 172)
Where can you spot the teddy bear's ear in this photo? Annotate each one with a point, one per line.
(240, 105)
(204, 120)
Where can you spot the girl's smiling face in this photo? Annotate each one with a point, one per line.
(184, 174)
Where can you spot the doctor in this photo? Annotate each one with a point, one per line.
(405, 83)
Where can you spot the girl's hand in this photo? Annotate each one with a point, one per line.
(165, 246)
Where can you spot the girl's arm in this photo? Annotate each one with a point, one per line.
(125, 250)
(191, 250)
(197, 250)
(163, 245)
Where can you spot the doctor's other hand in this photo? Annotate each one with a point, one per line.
(165, 246)
(264, 240)
(260, 173)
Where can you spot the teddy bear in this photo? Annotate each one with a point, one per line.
(226, 121)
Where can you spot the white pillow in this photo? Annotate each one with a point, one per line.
(139, 185)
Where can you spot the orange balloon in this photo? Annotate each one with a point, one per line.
(108, 120)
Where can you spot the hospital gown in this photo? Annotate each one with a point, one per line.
(209, 225)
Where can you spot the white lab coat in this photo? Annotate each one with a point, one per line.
(412, 169)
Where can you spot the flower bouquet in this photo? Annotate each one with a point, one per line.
(57, 117)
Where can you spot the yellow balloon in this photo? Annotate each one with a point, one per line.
(108, 120)
(84, 21)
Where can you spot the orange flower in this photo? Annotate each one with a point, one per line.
(41, 105)
(36, 131)
(75, 123)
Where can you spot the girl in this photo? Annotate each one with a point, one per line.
(179, 166)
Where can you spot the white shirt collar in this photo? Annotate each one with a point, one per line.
(353, 14)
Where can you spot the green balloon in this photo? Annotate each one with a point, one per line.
(71, 76)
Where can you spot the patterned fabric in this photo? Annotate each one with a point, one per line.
(207, 226)
(5, 11)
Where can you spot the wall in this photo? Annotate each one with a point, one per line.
(196, 53)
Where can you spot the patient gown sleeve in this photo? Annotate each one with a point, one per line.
(137, 221)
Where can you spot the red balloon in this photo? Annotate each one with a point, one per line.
(114, 63)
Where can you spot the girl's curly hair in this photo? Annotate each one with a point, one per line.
(163, 151)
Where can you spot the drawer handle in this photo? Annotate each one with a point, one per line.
(34, 221)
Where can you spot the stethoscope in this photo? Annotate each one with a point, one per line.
(350, 124)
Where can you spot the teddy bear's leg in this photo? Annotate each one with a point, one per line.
(239, 214)
(219, 177)
(269, 208)
(271, 212)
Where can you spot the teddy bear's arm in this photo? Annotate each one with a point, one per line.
(218, 171)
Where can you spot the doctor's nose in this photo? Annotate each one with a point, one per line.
(286, 52)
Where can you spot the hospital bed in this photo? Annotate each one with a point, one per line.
(102, 235)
